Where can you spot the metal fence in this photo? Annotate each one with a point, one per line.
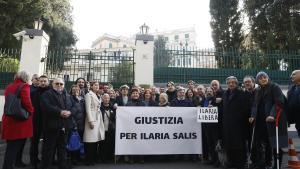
(180, 64)
(105, 66)
(9, 65)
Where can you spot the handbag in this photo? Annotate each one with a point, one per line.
(74, 143)
(13, 105)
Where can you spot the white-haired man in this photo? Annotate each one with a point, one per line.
(57, 123)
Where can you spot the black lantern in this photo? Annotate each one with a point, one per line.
(144, 29)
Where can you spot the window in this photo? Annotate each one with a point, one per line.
(166, 39)
(176, 37)
(178, 62)
(187, 36)
(110, 45)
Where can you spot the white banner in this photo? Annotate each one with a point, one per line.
(157, 130)
(207, 115)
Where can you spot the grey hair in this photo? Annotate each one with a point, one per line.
(294, 72)
(200, 86)
(105, 94)
(232, 78)
(58, 80)
(215, 81)
(165, 96)
(35, 76)
(23, 75)
(249, 77)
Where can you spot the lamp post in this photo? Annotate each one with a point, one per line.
(38, 24)
(144, 29)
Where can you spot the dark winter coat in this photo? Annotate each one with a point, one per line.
(78, 112)
(171, 95)
(181, 103)
(36, 103)
(134, 102)
(293, 105)
(197, 101)
(269, 101)
(53, 104)
(111, 116)
(151, 103)
(234, 120)
(212, 128)
(119, 101)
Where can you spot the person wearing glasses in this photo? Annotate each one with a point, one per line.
(57, 124)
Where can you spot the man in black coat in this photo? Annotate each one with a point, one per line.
(171, 91)
(123, 99)
(293, 100)
(37, 119)
(235, 123)
(57, 122)
(181, 101)
(249, 88)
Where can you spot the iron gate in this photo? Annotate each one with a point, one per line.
(105, 66)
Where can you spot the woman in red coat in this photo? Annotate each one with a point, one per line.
(16, 131)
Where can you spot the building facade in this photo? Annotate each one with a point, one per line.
(179, 37)
(109, 42)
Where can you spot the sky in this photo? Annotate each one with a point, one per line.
(93, 18)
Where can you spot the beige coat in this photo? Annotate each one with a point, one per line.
(93, 114)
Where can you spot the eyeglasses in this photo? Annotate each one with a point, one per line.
(60, 84)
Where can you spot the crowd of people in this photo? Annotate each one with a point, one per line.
(247, 118)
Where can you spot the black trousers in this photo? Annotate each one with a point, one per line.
(205, 153)
(55, 140)
(107, 147)
(13, 147)
(34, 146)
(20, 152)
(211, 140)
(237, 157)
(91, 155)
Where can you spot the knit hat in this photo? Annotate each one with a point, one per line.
(261, 74)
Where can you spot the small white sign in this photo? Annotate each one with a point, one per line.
(207, 115)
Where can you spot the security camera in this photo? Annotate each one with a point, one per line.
(19, 35)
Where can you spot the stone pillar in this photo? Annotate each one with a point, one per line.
(34, 49)
(144, 59)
